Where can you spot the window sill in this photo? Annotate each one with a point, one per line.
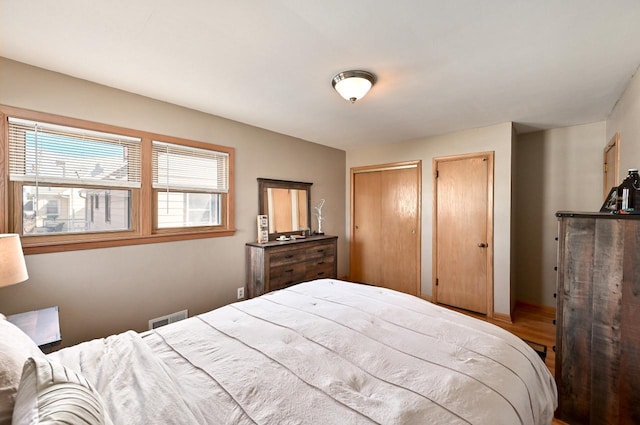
(34, 247)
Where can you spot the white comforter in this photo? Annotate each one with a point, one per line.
(322, 352)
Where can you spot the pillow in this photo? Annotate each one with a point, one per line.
(15, 348)
(50, 393)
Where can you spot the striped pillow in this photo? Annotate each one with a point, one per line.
(15, 348)
(49, 393)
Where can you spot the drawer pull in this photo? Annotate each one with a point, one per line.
(320, 263)
(321, 251)
(289, 256)
(289, 271)
(320, 273)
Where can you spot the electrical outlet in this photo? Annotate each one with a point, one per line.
(240, 293)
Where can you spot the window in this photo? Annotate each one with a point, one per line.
(58, 167)
(189, 184)
(180, 209)
(81, 185)
(53, 207)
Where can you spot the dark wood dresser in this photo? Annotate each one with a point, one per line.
(278, 264)
(598, 319)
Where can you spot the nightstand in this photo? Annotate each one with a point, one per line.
(41, 325)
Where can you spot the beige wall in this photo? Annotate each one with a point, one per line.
(559, 169)
(104, 291)
(495, 138)
(563, 168)
(625, 119)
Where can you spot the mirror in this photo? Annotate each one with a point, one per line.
(286, 203)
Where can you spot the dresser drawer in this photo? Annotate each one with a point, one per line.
(321, 270)
(287, 256)
(321, 251)
(286, 275)
(321, 262)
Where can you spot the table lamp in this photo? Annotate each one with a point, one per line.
(12, 266)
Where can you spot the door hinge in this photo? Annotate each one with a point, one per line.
(437, 282)
(437, 174)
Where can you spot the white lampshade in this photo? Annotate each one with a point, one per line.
(12, 266)
(353, 85)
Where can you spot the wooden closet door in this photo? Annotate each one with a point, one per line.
(399, 236)
(366, 235)
(385, 237)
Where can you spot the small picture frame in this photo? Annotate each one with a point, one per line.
(263, 228)
(611, 201)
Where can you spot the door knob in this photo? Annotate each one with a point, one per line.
(483, 245)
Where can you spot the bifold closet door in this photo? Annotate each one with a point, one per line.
(385, 244)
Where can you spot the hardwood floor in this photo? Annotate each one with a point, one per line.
(532, 323)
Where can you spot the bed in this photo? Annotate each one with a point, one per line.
(320, 352)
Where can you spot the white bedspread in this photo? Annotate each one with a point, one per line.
(322, 352)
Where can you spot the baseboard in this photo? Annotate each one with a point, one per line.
(543, 308)
(501, 317)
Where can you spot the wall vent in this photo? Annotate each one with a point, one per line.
(169, 318)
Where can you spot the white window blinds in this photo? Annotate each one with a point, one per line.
(184, 168)
(48, 153)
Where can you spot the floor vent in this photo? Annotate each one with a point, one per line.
(169, 318)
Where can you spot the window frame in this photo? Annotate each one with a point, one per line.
(143, 200)
(224, 216)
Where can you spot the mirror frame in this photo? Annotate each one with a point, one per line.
(263, 208)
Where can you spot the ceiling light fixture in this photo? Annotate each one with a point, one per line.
(353, 85)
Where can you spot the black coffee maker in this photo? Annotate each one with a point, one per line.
(628, 194)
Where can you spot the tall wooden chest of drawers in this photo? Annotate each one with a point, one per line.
(276, 265)
(598, 319)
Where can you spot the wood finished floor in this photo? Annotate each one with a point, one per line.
(533, 323)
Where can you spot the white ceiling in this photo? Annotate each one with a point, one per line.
(441, 65)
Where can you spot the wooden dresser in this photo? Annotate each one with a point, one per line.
(598, 319)
(276, 265)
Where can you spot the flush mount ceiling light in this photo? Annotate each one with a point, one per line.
(353, 85)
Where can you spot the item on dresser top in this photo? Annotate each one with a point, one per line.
(263, 228)
(628, 193)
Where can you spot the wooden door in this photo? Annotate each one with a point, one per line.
(385, 226)
(463, 242)
(365, 235)
(610, 166)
